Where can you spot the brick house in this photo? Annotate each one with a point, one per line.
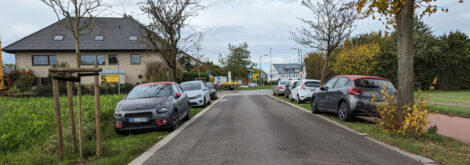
(113, 43)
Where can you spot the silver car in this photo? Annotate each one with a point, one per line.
(280, 88)
(198, 93)
(303, 90)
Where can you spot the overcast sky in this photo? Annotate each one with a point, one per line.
(263, 24)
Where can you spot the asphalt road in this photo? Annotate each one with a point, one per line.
(252, 128)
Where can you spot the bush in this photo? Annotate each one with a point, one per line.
(14, 90)
(189, 76)
(22, 79)
(409, 120)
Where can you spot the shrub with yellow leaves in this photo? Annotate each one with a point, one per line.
(410, 120)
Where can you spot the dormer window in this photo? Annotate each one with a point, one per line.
(58, 38)
(99, 38)
(132, 38)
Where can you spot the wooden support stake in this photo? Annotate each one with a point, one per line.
(55, 89)
(71, 114)
(79, 106)
(98, 117)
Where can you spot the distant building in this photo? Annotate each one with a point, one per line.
(290, 71)
(113, 42)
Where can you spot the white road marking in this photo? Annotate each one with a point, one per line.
(152, 150)
(418, 158)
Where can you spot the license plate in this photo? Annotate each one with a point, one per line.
(138, 120)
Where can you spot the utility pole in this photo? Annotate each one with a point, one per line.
(119, 77)
(260, 71)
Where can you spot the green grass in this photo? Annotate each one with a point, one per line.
(450, 102)
(28, 133)
(441, 149)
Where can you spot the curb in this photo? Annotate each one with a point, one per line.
(152, 150)
(418, 158)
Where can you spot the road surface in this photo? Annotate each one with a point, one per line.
(252, 128)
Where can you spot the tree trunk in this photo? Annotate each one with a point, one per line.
(174, 73)
(325, 66)
(405, 54)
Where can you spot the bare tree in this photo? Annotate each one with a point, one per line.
(197, 52)
(167, 20)
(332, 23)
(77, 16)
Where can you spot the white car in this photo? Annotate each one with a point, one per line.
(198, 93)
(303, 90)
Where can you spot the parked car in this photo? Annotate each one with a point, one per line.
(198, 93)
(213, 91)
(292, 84)
(280, 88)
(350, 95)
(252, 85)
(152, 105)
(304, 89)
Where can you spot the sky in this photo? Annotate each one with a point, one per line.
(263, 24)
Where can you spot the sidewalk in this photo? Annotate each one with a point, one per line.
(456, 127)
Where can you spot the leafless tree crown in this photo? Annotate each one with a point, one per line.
(332, 22)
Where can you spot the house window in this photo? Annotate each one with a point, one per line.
(113, 59)
(92, 59)
(132, 38)
(135, 59)
(44, 60)
(58, 38)
(99, 38)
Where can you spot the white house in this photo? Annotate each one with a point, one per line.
(289, 71)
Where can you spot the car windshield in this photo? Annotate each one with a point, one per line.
(147, 91)
(312, 84)
(373, 83)
(209, 85)
(283, 82)
(191, 86)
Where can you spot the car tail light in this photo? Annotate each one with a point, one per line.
(302, 87)
(162, 121)
(355, 91)
(280, 87)
(118, 124)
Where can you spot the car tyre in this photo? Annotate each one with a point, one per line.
(343, 112)
(174, 121)
(313, 104)
(209, 102)
(290, 98)
(188, 115)
(204, 102)
(298, 100)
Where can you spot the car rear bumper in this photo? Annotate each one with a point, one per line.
(364, 108)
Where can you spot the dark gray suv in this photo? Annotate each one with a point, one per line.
(350, 95)
(152, 105)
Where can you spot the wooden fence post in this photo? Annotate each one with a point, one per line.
(55, 89)
(80, 126)
(71, 113)
(98, 116)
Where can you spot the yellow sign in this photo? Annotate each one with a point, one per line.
(109, 79)
(2, 86)
(255, 76)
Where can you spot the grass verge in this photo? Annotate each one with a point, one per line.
(454, 103)
(441, 149)
(28, 136)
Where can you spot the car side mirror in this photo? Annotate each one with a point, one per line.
(322, 88)
(178, 94)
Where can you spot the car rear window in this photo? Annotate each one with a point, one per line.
(373, 83)
(148, 91)
(191, 86)
(283, 82)
(312, 84)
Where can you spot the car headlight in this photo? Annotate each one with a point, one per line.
(198, 96)
(162, 110)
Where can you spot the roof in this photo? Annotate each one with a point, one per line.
(116, 32)
(157, 83)
(287, 68)
(355, 77)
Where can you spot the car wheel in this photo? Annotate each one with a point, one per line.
(188, 115)
(290, 98)
(313, 104)
(343, 112)
(286, 95)
(298, 100)
(209, 102)
(204, 102)
(174, 121)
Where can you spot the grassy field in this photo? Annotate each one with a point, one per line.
(441, 149)
(28, 133)
(450, 102)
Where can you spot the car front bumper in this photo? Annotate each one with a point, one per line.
(123, 118)
(197, 101)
